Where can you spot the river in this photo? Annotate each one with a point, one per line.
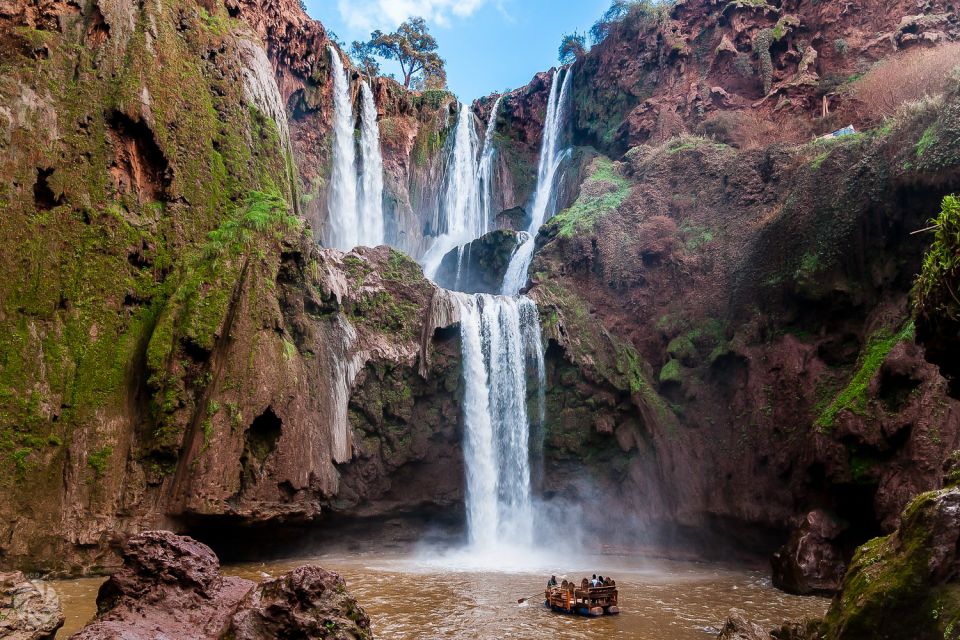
(426, 597)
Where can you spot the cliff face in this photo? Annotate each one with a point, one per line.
(732, 335)
(687, 69)
(176, 348)
(730, 344)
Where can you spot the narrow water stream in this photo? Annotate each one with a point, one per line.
(409, 598)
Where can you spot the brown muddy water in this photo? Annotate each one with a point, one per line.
(423, 598)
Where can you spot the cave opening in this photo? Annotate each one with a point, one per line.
(43, 195)
(139, 165)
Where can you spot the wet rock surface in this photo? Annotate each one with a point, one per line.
(738, 627)
(907, 584)
(479, 267)
(811, 562)
(29, 609)
(308, 602)
(171, 586)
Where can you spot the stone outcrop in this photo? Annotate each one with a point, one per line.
(479, 267)
(738, 627)
(171, 586)
(698, 64)
(904, 585)
(308, 603)
(29, 609)
(811, 562)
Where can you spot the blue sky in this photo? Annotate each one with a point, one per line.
(489, 45)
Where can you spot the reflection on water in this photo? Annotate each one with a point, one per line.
(416, 598)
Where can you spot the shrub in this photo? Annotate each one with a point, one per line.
(630, 14)
(572, 47)
(936, 291)
(748, 130)
(905, 77)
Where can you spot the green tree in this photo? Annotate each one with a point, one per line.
(415, 49)
(362, 54)
(572, 47)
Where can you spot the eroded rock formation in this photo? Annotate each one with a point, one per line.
(171, 586)
(29, 610)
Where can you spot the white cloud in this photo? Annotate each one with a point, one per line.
(367, 15)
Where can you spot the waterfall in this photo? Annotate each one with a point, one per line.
(343, 229)
(355, 202)
(499, 337)
(552, 155)
(371, 228)
(485, 172)
(461, 218)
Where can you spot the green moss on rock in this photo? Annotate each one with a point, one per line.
(904, 585)
(854, 396)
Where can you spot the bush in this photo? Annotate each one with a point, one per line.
(748, 130)
(905, 77)
(630, 13)
(572, 47)
(937, 291)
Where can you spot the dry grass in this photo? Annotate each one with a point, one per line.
(906, 77)
(752, 130)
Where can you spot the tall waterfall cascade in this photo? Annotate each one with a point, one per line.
(502, 349)
(342, 203)
(500, 340)
(485, 171)
(461, 218)
(355, 201)
(371, 229)
(552, 155)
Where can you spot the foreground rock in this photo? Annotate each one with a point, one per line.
(308, 602)
(171, 586)
(811, 562)
(28, 610)
(738, 627)
(907, 584)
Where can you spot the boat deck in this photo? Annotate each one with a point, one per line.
(584, 601)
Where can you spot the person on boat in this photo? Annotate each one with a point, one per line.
(593, 581)
(552, 582)
(599, 581)
(607, 581)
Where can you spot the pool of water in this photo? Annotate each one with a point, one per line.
(428, 596)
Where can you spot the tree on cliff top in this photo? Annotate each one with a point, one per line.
(362, 54)
(415, 49)
(622, 11)
(572, 47)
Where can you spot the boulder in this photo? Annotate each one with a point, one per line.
(29, 610)
(307, 603)
(738, 627)
(171, 586)
(516, 219)
(811, 562)
(907, 584)
(479, 267)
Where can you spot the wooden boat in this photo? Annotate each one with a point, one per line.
(583, 600)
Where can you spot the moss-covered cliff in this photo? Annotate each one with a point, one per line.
(175, 346)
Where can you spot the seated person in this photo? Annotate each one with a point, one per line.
(552, 582)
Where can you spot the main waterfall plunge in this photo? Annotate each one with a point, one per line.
(500, 338)
(501, 342)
